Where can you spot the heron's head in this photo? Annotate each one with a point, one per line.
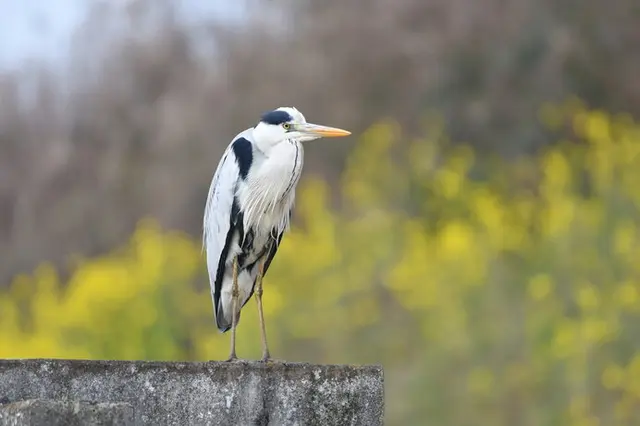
(287, 123)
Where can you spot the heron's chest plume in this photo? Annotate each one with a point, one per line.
(268, 193)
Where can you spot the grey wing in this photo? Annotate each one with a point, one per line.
(218, 220)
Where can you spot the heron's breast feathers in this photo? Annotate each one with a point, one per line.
(268, 194)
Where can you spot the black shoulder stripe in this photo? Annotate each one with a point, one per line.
(244, 156)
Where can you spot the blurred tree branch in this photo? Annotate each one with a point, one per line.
(137, 125)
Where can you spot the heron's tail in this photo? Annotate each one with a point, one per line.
(224, 307)
(222, 322)
(223, 318)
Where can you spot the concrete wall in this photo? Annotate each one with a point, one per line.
(71, 392)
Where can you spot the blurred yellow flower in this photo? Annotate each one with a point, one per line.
(612, 376)
(540, 287)
(588, 297)
(481, 381)
(627, 295)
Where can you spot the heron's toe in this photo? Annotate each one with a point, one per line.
(269, 360)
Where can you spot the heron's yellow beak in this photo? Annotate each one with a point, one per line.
(322, 131)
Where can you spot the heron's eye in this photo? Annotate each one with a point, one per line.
(286, 126)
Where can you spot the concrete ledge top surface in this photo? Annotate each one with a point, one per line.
(206, 393)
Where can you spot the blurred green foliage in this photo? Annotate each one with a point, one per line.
(495, 293)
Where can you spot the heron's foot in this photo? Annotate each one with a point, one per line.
(268, 360)
(232, 358)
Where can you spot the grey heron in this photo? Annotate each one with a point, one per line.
(248, 210)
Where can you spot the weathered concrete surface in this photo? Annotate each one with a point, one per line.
(42, 412)
(211, 393)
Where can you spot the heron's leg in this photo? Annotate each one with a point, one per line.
(235, 294)
(265, 347)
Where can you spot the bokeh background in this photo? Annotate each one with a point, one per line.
(477, 236)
